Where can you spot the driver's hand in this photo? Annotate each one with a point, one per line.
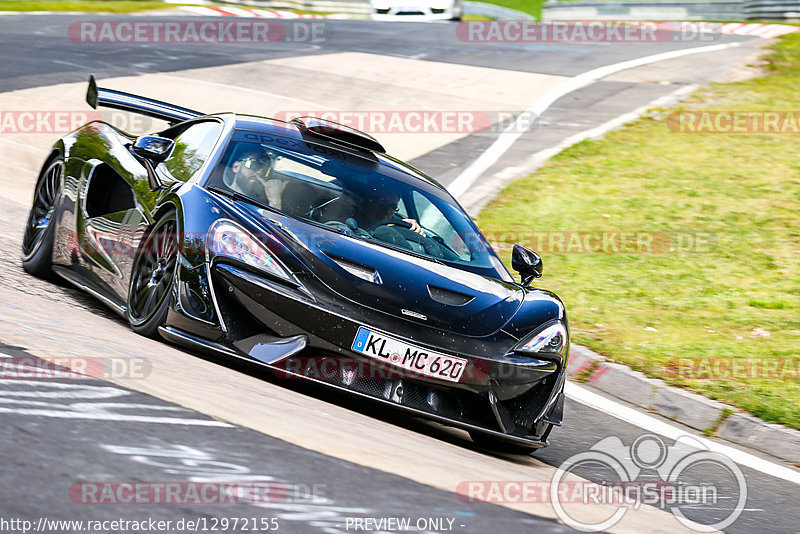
(274, 191)
(415, 226)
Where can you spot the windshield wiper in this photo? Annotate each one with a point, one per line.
(407, 251)
(239, 196)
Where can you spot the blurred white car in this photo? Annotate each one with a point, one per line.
(416, 9)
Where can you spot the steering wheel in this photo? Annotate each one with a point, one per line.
(393, 222)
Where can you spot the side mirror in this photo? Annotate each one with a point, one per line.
(527, 263)
(153, 147)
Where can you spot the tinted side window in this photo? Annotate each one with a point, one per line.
(192, 148)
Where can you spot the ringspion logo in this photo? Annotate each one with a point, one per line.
(683, 478)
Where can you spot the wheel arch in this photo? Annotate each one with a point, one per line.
(195, 308)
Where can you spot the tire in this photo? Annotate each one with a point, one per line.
(153, 276)
(457, 12)
(38, 239)
(494, 444)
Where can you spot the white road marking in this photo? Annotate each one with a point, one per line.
(540, 158)
(57, 390)
(650, 423)
(98, 411)
(117, 417)
(616, 122)
(69, 64)
(470, 175)
(197, 465)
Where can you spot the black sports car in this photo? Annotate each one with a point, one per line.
(302, 246)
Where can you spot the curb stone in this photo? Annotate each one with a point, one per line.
(690, 409)
(620, 381)
(773, 439)
(582, 359)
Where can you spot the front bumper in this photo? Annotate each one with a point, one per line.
(305, 336)
(415, 11)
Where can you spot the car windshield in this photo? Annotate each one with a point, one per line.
(353, 195)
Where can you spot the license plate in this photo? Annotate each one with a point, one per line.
(401, 354)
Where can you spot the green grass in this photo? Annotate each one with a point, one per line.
(469, 18)
(532, 7)
(107, 6)
(132, 6)
(735, 299)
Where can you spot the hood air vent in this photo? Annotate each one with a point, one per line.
(451, 298)
(356, 269)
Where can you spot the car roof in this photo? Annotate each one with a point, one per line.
(407, 173)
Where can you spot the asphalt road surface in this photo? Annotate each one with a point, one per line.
(167, 416)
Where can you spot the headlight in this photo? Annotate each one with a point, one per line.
(552, 339)
(226, 238)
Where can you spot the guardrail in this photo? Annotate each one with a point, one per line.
(676, 10)
(772, 10)
(351, 7)
(785, 10)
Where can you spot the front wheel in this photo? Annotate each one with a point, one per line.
(153, 276)
(37, 242)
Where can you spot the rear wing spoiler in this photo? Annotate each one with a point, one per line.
(109, 98)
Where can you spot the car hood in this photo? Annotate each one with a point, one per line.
(403, 285)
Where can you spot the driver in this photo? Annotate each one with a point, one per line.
(249, 174)
(381, 209)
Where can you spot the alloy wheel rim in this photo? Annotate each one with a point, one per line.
(153, 272)
(44, 203)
